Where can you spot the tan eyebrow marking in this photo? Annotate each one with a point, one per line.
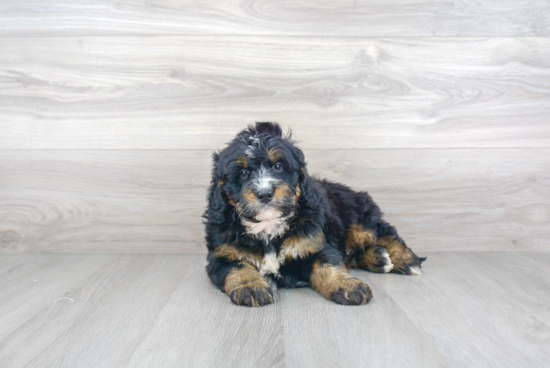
(274, 155)
(241, 162)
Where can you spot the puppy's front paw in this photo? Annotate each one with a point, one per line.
(245, 286)
(336, 284)
(352, 293)
(252, 295)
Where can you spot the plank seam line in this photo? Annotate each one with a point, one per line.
(320, 36)
(303, 149)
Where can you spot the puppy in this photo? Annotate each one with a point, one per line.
(270, 224)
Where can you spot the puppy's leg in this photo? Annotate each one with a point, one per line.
(241, 281)
(336, 284)
(375, 259)
(377, 247)
(403, 258)
(362, 251)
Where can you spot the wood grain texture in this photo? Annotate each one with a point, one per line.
(321, 333)
(40, 279)
(467, 309)
(139, 311)
(152, 201)
(119, 302)
(207, 330)
(289, 17)
(196, 92)
(483, 306)
(103, 201)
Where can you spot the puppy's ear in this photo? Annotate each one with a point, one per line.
(216, 201)
(308, 186)
(310, 192)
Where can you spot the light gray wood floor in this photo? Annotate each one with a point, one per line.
(121, 310)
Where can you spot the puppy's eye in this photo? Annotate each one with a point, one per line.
(244, 173)
(278, 167)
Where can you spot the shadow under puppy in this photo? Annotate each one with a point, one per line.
(269, 224)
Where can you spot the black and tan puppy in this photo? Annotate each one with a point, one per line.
(269, 223)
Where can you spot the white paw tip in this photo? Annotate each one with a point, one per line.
(387, 268)
(415, 271)
(389, 265)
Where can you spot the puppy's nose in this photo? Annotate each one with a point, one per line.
(265, 195)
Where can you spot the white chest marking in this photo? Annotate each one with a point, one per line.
(270, 265)
(269, 225)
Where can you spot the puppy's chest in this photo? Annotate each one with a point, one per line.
(268, 233)
(266, 230)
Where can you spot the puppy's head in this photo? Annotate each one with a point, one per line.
(259, 174)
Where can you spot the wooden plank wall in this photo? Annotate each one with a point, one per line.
(109, 112)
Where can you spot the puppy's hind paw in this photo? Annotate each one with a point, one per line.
(410, 268)
(376, 259)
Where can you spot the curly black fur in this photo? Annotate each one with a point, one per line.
(269, 220)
